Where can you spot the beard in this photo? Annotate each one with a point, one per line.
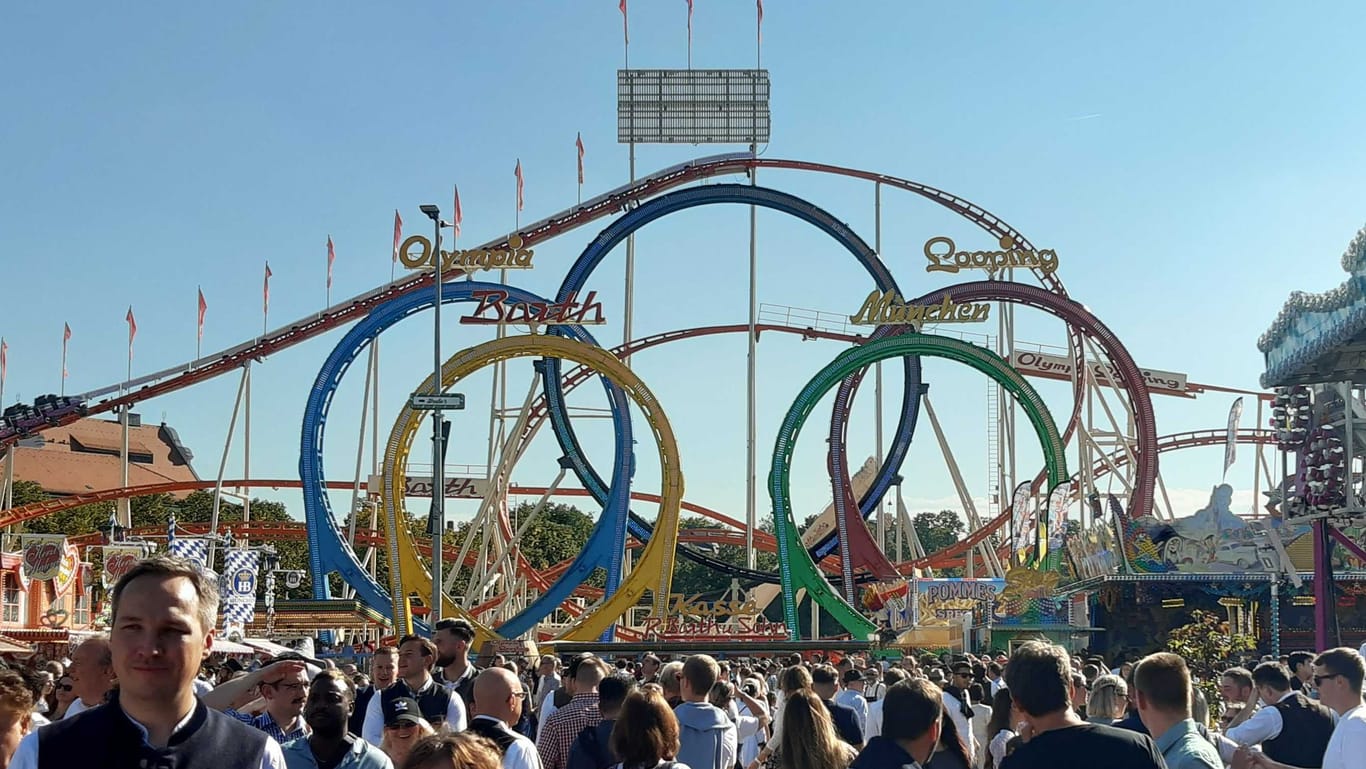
(443, 660)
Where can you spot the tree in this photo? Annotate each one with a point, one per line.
(938, 530)
(1208, 646)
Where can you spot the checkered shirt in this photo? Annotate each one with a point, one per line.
(267, 724)
(558, 734)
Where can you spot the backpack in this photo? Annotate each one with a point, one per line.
(589, 751)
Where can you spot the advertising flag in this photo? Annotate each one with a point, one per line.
(43, 555)
(1235, 415)
(265, 293)
(66, 337)
(193, 548)
(459, 214)
(760, 4)
(239, 589)
(690, 30)
(68, 570)
(625, 31)
(4, 361)
(118, 559)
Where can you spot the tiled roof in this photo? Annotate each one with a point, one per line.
(65, 462)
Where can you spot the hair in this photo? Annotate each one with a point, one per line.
(424, 729)
(106, 653)
(1000, 716)
(646, 730)
(1298, 658)
(591, 672)
(1240, 676)
(1273, 675)
(457, 627)
(669, 677)
(387, 651)
(794, 679)
(701, 672)
(16, 696)
(994, 668)
(719, 695)
(170, 567)
(809, 739)
(1199, 705)
(1346, 663)
(613, 690)
(893, 676)
(1108, 697)
(824, 674)
(1039, 677)
(341, 678)
(462, 750)
(951, 741)
(918, 703)
(1165, 681)
(977, 692)
(428, 648)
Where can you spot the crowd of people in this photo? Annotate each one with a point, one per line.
(144, 697)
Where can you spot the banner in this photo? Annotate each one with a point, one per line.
(1235, 415)
(1060, 367)
(945, 601)
(42, 555)
(118, 559)
(193, 548)
(1022, 522)
(239, 589)
(68, 570)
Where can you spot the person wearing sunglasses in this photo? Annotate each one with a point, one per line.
(498, 696)
(404, 727)
(1338, 675)
(1291, 728)
(65, 693)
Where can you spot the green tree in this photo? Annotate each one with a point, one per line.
(1208, 646)
(938, 530)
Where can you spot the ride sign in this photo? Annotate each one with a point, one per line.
(692, 618)
(43, 555)
(495, 309)
(887, 308)
(416, 254)
(944, 257)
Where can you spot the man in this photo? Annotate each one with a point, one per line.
(454, 669)
(994, 678)
(707, 738)
(560, 731)
(873, 687)
(565, 694)
(92, 674)
(649, 669)
(959, 705)
(752, 719)
(592, 748)
(851, 696)
(1235, 687)
(16, 713)
(498, 699)
(914, 709)
(1131, 721)
(547, 681)
(330, 702)
(1301, 666)
(1039, 678)
(891, 678)
(1163, 685)
(439, 706)
(162, 613)
(383, 670)
(1338, 674)
(825, 684)
(1291, 728)
(284, 688)
(669, 681)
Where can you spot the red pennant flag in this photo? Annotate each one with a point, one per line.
(520, 181)
(459, 214)
(132, 330)
(331, 257)
(625, 33)
(4, 360)
(203, 307)
(578, 142)
(66, 337)
(398, 233)
(265, 303)
(760, 4)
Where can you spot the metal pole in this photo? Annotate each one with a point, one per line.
(877, 375)
(246, 458)
(438, 467)
(751, 429)
(222, 467)
(1276, 616)
(629, 304)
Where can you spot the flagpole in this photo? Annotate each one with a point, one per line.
(751, 389)
(629, 305)
(199, 330)
(125, 513)
(62, 390)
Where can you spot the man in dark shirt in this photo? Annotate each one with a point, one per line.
(824, 682)
(914, 710)
(1039, 678)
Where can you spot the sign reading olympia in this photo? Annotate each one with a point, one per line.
(416, 254)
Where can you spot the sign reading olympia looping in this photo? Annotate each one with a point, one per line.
(944, 257)
(416, 254)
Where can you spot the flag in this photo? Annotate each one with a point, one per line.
(689, 27)
(331, 257)
(459, 215)
(1235, 415)
(170, 532)
(4, 360)
(625, 34)
(578, 142)
(194, 548)
(521, 181)
(239, 589)
(760, 5)
(66, 337)
(203, 307)
(132, 330)
(265, 294)
(398, 233)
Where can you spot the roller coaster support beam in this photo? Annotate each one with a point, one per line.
(984, 551)
(223, 465)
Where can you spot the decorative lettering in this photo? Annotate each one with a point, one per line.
(416, 254)
(495, 309)
(887, 308)
(943, 257)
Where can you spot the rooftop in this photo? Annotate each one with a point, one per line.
(84, 456)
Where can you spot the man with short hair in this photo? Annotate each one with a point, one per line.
(1338, 675)
(873, 687)
(547, 681)
(329, 744)
(1163, 685)
(649, 669)
(284, 687)
(453, 667)
(959, 704)
(498, 696)
(1301, 666)
(92, 674)
(1291, 728)
(669, 681)
(1236, 689)
(914, 709)
(559, 732)
(16, 712)
(825, 683)
(383, 671)
(891, 678)
(851, 696)
(163, 612)
(438, 706)
(1039, 677)
(994, 670)
(707, 738)
(592, 748)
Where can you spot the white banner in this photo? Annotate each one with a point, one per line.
(239, 589)
(43, 555)
(1235, 415)
(1059, 367)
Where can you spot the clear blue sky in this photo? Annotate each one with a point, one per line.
(1191, 163)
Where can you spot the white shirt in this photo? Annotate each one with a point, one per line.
(202, 687)
(750, 735)
(855, 701)
(75, 707)
(546, 686)
(26, 756)
(548, 708)
(998, 746)
(521, 754)
(981, 716)
(996, 685)
(874, 727)
(1348, 743)
(373, 729)
(1264, 725)
(954, 707)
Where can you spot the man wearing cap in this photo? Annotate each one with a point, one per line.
(959, 704)
(453, 667)
(851, 696)
(438, 706)
(330, 745)
(498, 699)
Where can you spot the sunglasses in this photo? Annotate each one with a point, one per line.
(65, 687)
(1318, 680)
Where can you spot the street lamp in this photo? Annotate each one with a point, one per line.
(437, 519)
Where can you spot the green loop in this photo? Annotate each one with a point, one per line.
(796, 569)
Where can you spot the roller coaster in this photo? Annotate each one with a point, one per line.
(828, 567)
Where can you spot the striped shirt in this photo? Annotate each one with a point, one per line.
(267, 724)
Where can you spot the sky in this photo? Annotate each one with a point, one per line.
(1191, 164)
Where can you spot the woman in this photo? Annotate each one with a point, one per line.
(63, 695)
(464, 750)
(646, 733)
(791, 680)
(950, 753)
(1108, 699)
(809, 738)
(402, 736)
(1003, 716)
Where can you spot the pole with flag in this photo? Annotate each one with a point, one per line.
(66, 337)
(265, 302)
(331, 257)
(457, 217)
(625, 32)
(1235, 415)
(689, 34)
(203, 307)
(123, 509)
(398, 238)
(4, 368)
(578, 142)
(132, 332)
(521, 181)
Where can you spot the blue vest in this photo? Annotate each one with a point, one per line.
(104, 737)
